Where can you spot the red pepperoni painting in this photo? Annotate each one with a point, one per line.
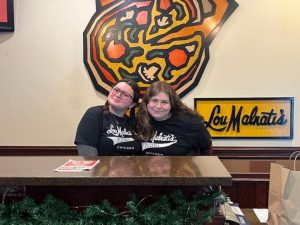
(6, 16)
(152, 40)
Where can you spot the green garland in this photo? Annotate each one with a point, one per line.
(173, 209)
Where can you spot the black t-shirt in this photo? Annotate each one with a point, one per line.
(110, 134)
(181, 134)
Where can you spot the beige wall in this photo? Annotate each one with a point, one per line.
(45, 88)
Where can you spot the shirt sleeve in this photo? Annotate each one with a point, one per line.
(87, 151)
(89, 128)
(201, 136)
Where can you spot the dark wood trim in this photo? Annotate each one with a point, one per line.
(251, 176)
(223, 152)
(248, 194)
(254, 152)
(37, 150)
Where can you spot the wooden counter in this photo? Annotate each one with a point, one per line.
(114, 178)
(139, 170)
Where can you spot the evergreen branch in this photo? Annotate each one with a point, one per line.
(173, 209)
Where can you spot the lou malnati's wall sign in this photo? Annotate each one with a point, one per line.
(247, 117)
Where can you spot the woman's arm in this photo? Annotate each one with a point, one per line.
(86, 150)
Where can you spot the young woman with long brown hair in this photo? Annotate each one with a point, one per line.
(167, 126)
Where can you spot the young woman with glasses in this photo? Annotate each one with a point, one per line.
(106, 129)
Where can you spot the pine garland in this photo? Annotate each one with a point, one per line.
(173, 209)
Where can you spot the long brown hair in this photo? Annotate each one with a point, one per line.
(143, 118)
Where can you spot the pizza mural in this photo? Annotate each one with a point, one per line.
(152, 40)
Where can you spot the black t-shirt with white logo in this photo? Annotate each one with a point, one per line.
(110, 134)
(181, 134)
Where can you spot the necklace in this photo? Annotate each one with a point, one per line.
(119, 120)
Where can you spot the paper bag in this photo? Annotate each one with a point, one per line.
(284, 196)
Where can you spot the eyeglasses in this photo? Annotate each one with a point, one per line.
(124, 95)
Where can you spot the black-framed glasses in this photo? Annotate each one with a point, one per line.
(124, 95)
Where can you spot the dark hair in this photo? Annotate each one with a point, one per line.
(134, 86)
(143, 118)
(136, 95)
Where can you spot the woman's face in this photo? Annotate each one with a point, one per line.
(159, 106)
(120, 98)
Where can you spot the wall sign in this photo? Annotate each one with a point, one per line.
(247, 117)
(6, 16)
(152, 40)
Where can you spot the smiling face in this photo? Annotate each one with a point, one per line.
(159, 106)
(120, 99)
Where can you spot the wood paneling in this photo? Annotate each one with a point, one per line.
(223, 152)
(262, 190)
(250, 185)
(37, 150)
(254, 152)
(249, 194)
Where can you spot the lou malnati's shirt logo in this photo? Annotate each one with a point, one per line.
(119, 135)
(160, 141)
(247, 118)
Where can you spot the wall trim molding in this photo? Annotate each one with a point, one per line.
(254, 152)
(37, 150)
(224, 152)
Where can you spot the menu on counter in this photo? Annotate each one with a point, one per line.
(77, 165)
